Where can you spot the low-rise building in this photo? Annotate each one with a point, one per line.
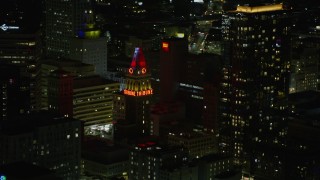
(104, 159)
(44, 139)
(196, 143)
(148, 159)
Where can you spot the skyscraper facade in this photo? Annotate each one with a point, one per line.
(137, 96)
(139, 91)
(254, 85)
(20, 41)
(90, 47)
(14, 92)
(304, 62)
(60, 92)
(173, 53)
(63, 19)
(75, 68)
(88, 99)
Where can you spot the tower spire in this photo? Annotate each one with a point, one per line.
(138, 80)
(138, 64)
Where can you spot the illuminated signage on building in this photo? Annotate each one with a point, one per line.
(138, 93)
(180, 35)
(165, 46)
(89, 34)
(5, 27)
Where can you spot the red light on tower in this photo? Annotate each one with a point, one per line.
(130, 70)
(165, 46)
(143, 70)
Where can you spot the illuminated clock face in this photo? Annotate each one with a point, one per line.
(130, 70)
(143, 70)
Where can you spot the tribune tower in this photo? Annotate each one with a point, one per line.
(138, 93)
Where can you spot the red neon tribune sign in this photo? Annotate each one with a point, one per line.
(138, 93)
(165, 46)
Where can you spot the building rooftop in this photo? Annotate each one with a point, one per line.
(258, 9)
(64, 62)
(103, 151)
(188, 135)
(213, 157)
(27, 123)
(90, 81)
(155, 150)
(306, 102)
(187, 131)
(228, 175)
(23, 170)
(60, 73)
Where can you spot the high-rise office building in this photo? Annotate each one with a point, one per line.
(20, 38)
(253, 87)
(88, 99)
(75, 68)
(20, 48)
(63, 20)
(304, 62)
(90, 47)
(183, 77)
(211, 89)
(210, 107)
(14, 92)
(172, 54)
(60, 92)
(302, 157)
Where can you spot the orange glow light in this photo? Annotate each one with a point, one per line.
(130, 70)
(144, 70)
(258, 9)
(165, 46)
(138, 93)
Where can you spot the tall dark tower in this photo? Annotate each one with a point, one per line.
(254, 88)
(60, 92)
(172, 57)
(182, 8)
(14, 92)
(138, 93)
